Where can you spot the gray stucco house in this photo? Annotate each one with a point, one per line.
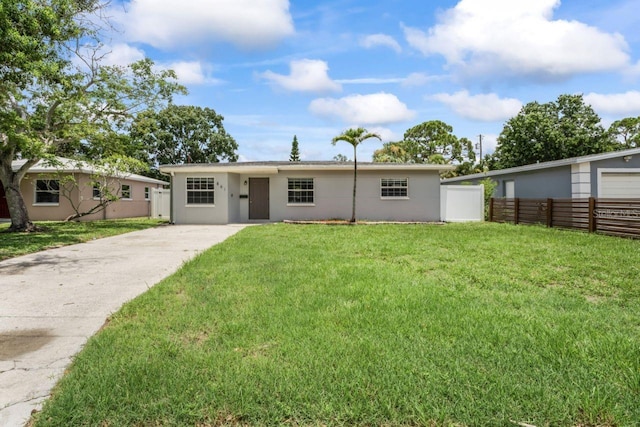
(608, 175)
(222, 193)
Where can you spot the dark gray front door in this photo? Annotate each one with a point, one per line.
(258, 198)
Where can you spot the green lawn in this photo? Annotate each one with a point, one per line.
(465, 325)
(55, 234)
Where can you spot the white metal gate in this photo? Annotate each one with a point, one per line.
(160, 203)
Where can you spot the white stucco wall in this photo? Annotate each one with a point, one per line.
(332, 198)
(200, 214)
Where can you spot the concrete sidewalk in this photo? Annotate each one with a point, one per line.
(51, 302)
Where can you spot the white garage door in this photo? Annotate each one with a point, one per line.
(620, 185)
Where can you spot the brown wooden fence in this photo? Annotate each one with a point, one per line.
(617, 217)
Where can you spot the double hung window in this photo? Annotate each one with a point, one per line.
(47, 191)
(200, 191)
(301, 191)
(394, 188)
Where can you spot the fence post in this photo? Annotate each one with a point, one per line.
(549, 213)
(592, 217)
(491, 209)
(516, 210)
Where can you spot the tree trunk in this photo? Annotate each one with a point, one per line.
(355, 180)
(17, 208)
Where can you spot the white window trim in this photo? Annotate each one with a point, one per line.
(395, 197)
(147, 193)
(130, 193)
(35, 194)
(198, 205)
(302, 204)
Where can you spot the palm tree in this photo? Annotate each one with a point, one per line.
(354, 136)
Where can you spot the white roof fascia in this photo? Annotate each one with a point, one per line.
(273, 170)
(207, 168)
(369, 166)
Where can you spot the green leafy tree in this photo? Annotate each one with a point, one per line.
(181, 134)
(54, 91)
(340, 158)
(434, 142)
(104, 183)
(626, 131)
(392, 152)
(295, 150)
(489, 188)
(429, 142)
(551, 131)
(355, 137)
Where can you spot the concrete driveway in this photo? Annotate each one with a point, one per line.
(51, 302)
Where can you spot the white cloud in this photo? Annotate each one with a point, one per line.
(627, 103)
(419, 79)
(484, 107)
(123, 54)
(170, 24)
(307, 75)
(375, 40)
(518, 38)
(192, 72)
(386, 134)
(374, 109)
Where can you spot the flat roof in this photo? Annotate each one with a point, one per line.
(272, 168)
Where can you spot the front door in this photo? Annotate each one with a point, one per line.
(4, 206)
(258, 198)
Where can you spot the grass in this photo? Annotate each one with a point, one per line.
(56, 234)
(465, 325)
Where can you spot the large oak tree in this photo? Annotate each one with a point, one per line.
(181, 134)
(552, 131)
(55, 90)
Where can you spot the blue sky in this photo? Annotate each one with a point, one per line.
(279, 68)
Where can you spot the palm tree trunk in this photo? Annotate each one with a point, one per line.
(355, 180)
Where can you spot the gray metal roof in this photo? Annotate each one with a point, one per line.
(76, 166)
(547, 165)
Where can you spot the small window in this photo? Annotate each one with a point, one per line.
(96, 191)
(509, 189)
(301, 191)
(47, 191)
(146, 193)
(200, 191)
(126, 191)
(394, 188)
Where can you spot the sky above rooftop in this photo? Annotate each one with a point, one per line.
(279, 68)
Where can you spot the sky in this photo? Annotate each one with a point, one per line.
(278, 68)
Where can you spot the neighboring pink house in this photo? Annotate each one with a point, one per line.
(45, 201)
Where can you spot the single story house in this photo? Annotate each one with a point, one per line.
(44, 193)
(614, 174)
(222, 193)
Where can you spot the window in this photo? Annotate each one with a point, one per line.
(200, 191)
(47, 191)
(393, 188)
(146, 193)
(509, 189)
(301, 191)
(126, 191)
(96, 191)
